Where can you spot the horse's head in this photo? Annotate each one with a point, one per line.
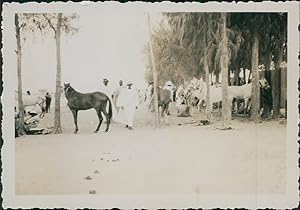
(66, 86)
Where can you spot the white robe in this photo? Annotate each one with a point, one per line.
(129, 100)
(117, 93)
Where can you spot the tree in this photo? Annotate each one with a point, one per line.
(255, 97)
(196, 32)
(280, 35)
(153, 66)
(173, 62)
(57, 124)
(224, 60)
(268, 28)
(45, 22)
(21, 126)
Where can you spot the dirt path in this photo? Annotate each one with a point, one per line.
(173, 159)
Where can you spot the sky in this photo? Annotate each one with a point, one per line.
(108, 44)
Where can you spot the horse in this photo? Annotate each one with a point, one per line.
(33, 100)
(84, 101)
(240, 92)
(164, 99)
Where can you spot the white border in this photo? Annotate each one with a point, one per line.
(288, 200)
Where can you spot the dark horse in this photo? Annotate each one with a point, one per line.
(164, 99)
(84, 101)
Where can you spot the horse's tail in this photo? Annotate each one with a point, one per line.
(110, 113)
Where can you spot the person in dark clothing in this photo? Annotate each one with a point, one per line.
(28, 92)
(266, 100)
(48, 102)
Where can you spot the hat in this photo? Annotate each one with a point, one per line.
(105, 80)
(129, 83)
(169, 83)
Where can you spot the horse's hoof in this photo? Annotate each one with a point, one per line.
(75, 132)
(95, 131)
(106, 131)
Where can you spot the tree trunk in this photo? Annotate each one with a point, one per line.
(237, 77)
(57, 122)
(283, 88)
(208, 104)
(21, 125)
(268, 65)
(276, 83)
(226, 108)
(154, 72)
(255, 96)
(218, 77)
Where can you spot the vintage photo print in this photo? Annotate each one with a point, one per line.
(150, 105)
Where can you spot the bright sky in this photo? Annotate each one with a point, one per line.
(108, 45)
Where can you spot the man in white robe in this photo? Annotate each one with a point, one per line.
(128, 101)
(117, 93)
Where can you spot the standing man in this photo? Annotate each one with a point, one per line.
(169, 86)
(128, 101)
(117, 93)
(48, 102)
(106, 88)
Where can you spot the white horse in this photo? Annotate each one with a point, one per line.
(240, 92)
(32, 100)
(237, 92)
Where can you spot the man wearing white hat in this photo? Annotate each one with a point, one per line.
(128, 101)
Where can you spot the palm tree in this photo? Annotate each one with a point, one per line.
(224, 60)
(196, 31)
(154, 72)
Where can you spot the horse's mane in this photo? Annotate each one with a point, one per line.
(70, 92)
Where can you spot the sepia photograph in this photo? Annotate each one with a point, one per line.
(141, 105)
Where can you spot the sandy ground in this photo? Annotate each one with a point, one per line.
(175, 159)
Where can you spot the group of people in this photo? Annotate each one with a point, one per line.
(125, 102)
(47, 101)
(31, 116)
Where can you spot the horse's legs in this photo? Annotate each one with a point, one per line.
(100, 119)
(107, 119)
(245, 106)
(166, 114)
(75, 112)
(163, 110)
